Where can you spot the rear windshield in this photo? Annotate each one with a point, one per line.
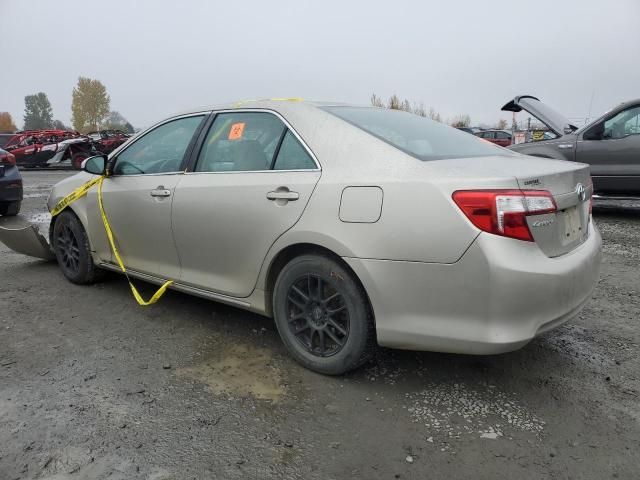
(421, 137)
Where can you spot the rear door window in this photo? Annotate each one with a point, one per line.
(292, 155)
(241, 142)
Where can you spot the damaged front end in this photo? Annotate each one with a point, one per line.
(22, 236)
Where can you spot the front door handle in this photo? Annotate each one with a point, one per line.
(565, 145)
(283, 194)
(160, 192)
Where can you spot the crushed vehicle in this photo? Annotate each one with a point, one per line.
(108, 140)
(44, 148)
(351, 226)
(10, 185)
(610, 145)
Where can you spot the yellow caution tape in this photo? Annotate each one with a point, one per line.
(73, 196)
(290, 99)
(80, 192)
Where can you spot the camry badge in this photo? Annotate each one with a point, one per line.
(581, 192)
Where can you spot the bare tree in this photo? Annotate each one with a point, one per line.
(433, 115)
(394, 102)
(420, 109)
(376, 101)
(502, 124)
(461, 121)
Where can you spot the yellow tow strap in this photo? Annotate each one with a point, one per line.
(80, 192)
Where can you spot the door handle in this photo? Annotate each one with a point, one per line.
(565, 145)
(160, 192)
(283, 195)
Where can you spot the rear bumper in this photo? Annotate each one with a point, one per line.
(10, 185)
(496, 298)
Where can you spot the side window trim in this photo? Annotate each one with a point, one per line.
(113, 157)
(277, 150)
(195, 153)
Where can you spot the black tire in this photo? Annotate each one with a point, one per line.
(72, 250)
(335, 305)
(10, 209)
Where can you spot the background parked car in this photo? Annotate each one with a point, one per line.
(499, 137)
(610, 144)
(10, 184)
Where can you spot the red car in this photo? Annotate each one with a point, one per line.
(108, 140)
(41, 148)
(499, 137)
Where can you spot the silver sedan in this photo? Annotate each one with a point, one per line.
(350, 226)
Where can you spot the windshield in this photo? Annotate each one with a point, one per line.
(421, 137)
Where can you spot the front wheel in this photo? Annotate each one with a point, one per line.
(322, 315)
(72, 250)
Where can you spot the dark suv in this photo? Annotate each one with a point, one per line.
(10, 184)
(610, 144)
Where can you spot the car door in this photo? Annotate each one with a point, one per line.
(251, 181)
(137, 197)
(612, 148)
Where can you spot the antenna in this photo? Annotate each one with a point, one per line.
(593, 94)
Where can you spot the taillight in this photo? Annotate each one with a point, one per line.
(504, 212)
(8, 158)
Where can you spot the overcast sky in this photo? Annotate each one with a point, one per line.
(157, 57)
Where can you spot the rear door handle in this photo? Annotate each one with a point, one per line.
(160, 192)
(283, 195)
(565, 145)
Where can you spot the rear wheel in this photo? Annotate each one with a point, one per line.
(10, 209)
(72, 250)
(322, 315)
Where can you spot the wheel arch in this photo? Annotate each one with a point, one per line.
(80, 213)
(292, 251)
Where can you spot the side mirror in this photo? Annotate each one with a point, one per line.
(96, 165)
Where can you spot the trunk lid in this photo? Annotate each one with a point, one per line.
(547, 115)
(560, 232)
(568, 182)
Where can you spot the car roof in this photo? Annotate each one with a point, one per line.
(292, 103)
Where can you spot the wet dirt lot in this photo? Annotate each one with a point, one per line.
(93, 386)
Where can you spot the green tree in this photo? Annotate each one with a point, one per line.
(6, 123)
(116, 121)
(59, 125)
(37, 112)
(89, 105)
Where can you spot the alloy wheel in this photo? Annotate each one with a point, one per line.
(67, 245)
(317, 315)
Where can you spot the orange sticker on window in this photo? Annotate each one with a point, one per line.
(236, 131)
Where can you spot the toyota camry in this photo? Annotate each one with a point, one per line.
(351, 226)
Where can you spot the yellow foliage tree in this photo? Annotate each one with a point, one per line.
(90, 104)
(6, 123)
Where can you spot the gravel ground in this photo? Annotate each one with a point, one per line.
(93, 386)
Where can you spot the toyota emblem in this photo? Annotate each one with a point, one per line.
(581, 192)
